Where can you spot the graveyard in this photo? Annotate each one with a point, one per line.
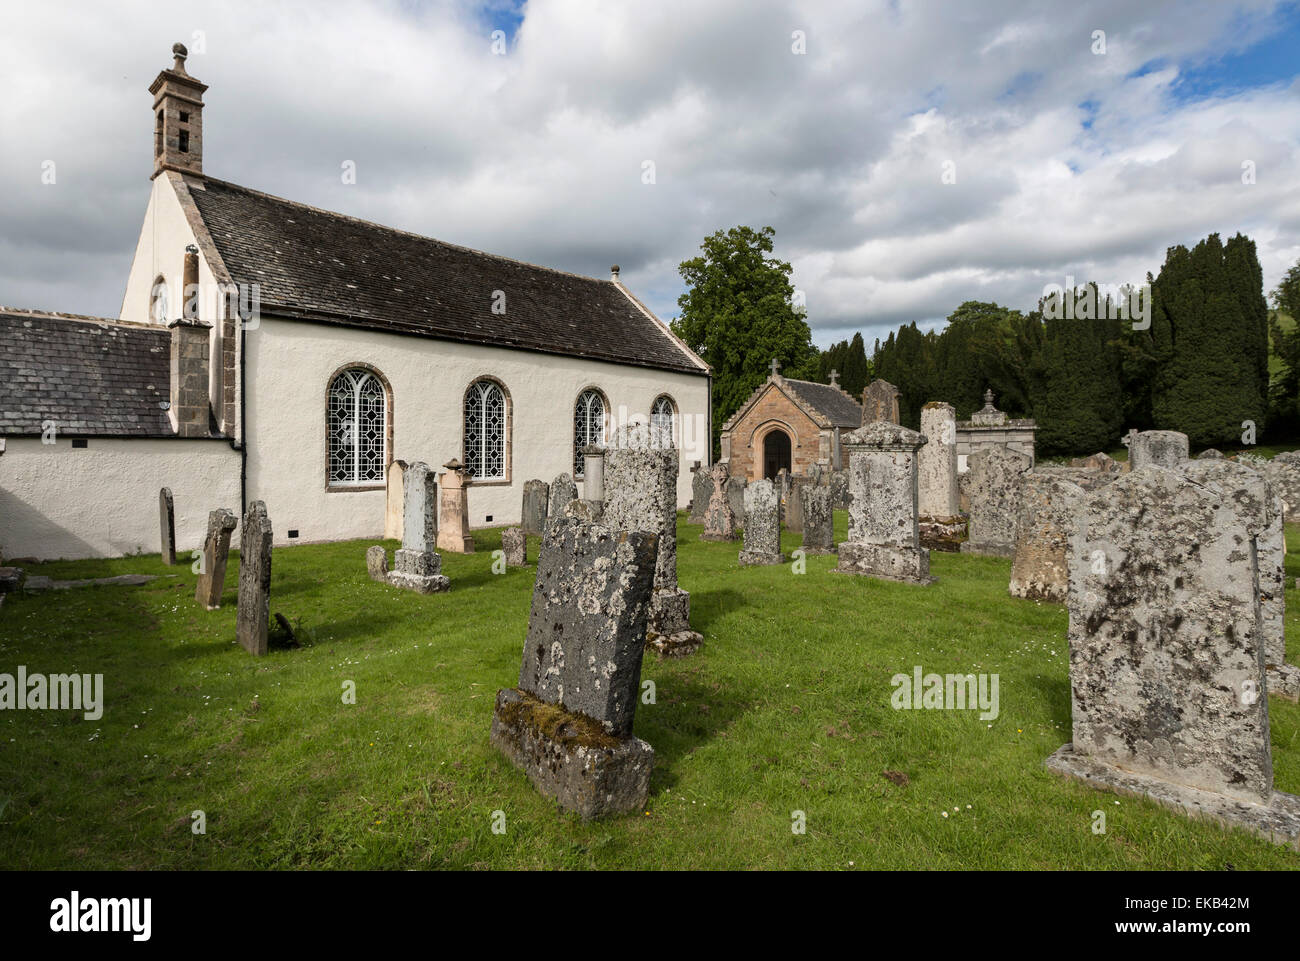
(785, 707)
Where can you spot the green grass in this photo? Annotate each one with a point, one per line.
(785, 708)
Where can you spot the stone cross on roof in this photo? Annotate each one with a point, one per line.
(834, 374)
(776, 366)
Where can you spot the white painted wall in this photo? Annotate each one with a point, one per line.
(102, 501)
(289, 364)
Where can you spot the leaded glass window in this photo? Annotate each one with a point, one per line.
(661, 415)
(357, 423)
(485, 431)
(588, 426)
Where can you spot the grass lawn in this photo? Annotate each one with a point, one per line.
(786, 708)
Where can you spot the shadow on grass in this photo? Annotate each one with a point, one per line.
(708, 607)
(688, 714)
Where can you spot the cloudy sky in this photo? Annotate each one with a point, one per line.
(914, 156)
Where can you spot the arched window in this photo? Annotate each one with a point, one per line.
(357, 429)
(485, 430)
(588, 425)
(663, 415)
(158, 301)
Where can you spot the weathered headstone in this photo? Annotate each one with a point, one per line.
(839, 485)
(719, 520)
(377, 563)
(883, 540)
(515, 547)
(1040, 570)
(736, 498)
(593, 473)
(1283, 473)
(879, 403)
(1210, 454)
(1100, 462)
(568, 725)
(563, 490)
(641, 468)
(1161, 448)
(453, 509)
(818, 519)
(167, 524)
(212, 565)
(252, 618)
(939, 523)
(534, 512)
(701, 493)
(393, 500)
(792, 506)
(417, 566)
(1167, 664)
(993, 483)
(762, 543)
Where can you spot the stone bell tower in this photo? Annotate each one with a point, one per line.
(178, 119)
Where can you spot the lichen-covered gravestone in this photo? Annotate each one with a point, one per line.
(1160, 448)
(533, 513)
(838, 482)
(993, 484)
(719, 520)
(1040, 570)
(880, 403)
(568, 725)
(212, 565)
(641, 468)
(252, 619)
(762, 525)
(792, 505)
(563, 490)
(417, 566)
(883, 540)
(377, 563)
(1167, 664)
(818, 519)
(701, 493)
(167, 525)
(939, 522)
(514, 546)
(736, 498)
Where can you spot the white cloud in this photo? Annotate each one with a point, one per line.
(538, 154)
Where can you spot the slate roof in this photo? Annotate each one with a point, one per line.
(831, 402)
(93, 377)
(317, 265)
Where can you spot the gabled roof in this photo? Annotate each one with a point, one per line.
(89, 375)
(832, 403)
(827, 406)
(316, 265)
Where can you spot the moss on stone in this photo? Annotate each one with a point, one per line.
(555, 723)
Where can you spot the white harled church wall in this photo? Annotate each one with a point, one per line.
(57, 501)
(160, 250)
(290, 363)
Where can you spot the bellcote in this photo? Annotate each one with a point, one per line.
(178, 119)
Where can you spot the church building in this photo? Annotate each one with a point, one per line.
(268, 350)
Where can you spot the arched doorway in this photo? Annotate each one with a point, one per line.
(776, 453)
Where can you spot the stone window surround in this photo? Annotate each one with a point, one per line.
(508, 442)
(388, 431)
(759, 434)
(573, 443)
(677, 418)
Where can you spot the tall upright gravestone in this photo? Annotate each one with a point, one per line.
(1040, 570)
(167, 525)
(252, 618)
(1167, 661)
(453, 509)
(879, 403)
(216, 552)
(568, 725)
(883, 540)
(563, 490)
(939, 520)
(640, 489)
(534, 511)
(818, 519)
(762, 545)
(994, 481)
(416, 565)
(393, 500)
(701, 493)
(719, 519)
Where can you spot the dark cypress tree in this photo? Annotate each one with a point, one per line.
(1079, 407)
(854, 372)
